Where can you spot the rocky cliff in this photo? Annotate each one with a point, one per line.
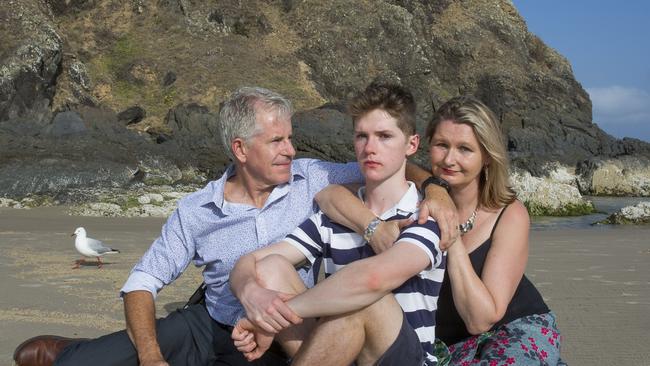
(114, 93)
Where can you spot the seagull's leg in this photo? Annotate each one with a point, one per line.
(99, 263)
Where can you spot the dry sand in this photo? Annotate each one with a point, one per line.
(597, 280)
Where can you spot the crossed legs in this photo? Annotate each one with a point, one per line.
(362, 336)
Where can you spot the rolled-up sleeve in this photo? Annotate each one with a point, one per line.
(164, 261)
(138, 281)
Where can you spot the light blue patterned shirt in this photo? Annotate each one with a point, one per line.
(214, 233)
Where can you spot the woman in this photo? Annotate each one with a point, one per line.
(488, 311)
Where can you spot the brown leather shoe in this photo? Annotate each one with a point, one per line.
(41, 350)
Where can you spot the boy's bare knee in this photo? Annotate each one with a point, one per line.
(272, 269)
(387, 306)
(275, 272)
(273, 264)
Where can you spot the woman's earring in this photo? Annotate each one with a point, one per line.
(486, 172)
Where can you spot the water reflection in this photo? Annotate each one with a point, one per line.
(606, 205)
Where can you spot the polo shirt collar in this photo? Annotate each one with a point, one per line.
(406, 205)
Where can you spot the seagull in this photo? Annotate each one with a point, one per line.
(89, 247)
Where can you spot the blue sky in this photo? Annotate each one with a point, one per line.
(608, 46)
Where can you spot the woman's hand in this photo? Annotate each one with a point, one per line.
(438, 204)
(386, 234)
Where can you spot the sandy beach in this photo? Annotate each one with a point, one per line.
(597, 280)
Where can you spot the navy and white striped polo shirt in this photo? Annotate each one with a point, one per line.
(318, 238)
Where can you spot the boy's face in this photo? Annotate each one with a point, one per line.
(380, 146)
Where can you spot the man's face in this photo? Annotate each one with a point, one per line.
(381, 147)
(269, 151)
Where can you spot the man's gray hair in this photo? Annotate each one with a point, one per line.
(237, 113)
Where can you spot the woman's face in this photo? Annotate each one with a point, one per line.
(456, 155)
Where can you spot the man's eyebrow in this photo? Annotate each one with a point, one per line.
(279, 137)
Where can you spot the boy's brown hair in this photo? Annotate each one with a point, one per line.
(392, 98)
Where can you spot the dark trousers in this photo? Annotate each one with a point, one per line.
(186, 337)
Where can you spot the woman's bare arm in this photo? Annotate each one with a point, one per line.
(482, 301)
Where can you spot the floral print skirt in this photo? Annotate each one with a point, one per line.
(530, 340)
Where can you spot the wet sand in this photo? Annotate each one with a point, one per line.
(597, 280)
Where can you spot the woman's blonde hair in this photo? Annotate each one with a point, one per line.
(495, 189)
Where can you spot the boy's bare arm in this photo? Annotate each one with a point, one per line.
(361, 283)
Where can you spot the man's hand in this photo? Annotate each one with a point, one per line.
(139, 310)
(250, 340)
(154, 363)
(152, 359)
(267, 309)
(386, 234)
(438, 204)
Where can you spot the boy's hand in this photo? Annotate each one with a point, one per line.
(268, 310)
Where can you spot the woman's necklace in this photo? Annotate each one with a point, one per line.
(468, 225)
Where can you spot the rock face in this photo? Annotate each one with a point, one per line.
(548, 197)
(64, 77)
(625, 176)
(30, 53)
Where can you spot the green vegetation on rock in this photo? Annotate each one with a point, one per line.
(128, 68)
(125, 202)
(570, 209)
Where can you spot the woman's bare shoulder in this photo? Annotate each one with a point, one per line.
(514, 225)
(516, 213)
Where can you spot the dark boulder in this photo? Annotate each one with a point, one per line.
(323, 133)
(63, 7)
(169, 78)
(194, 132)
(131, 115)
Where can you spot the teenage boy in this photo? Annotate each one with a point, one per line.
(372, 309)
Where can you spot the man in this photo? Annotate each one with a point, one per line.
(359, 320)
(260, 198)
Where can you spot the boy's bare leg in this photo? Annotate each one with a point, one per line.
(278, 274)
(364, 336)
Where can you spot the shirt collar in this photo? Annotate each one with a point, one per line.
(280, 190)
(405, 207)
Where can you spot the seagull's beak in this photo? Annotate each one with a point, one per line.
(73, 234)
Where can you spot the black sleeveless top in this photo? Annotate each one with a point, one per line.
(450, 327)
